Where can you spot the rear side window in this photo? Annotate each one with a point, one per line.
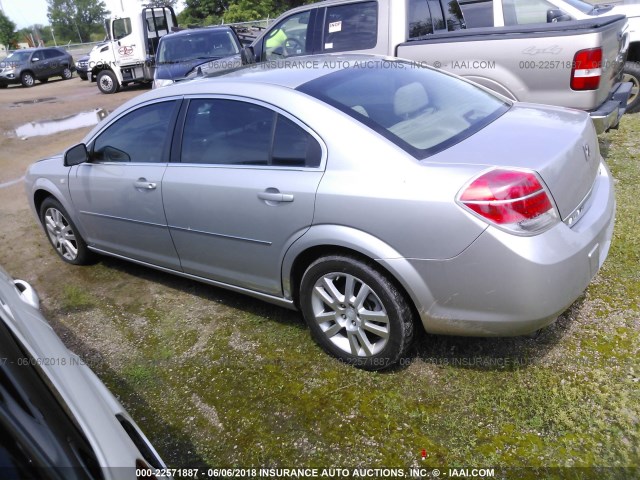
(350, 27)
(53, 53)
(231, 132)
(427, 16)
(477, 13)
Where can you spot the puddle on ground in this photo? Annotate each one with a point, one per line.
(47, 127)
(30, 102)
(11, 182)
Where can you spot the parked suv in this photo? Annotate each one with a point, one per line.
(31, 64)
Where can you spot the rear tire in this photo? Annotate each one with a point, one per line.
(355, 313)
(107, 82)
(63, 234)
(631, 73)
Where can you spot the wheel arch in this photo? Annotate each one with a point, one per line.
(340, 240)
(633, 55)
(44, 189)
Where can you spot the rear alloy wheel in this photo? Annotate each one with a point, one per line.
(355, 313)
(63, 234)
(27, 79)
(631, 73)
(67, 73)
(107, 82)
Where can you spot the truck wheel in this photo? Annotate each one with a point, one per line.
(107, 82)
(27, 79)
(631, 73)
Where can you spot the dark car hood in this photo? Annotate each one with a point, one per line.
(173, 71)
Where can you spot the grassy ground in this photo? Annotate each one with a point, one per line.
(218, 379)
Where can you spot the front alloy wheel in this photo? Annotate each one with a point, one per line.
(355, 313)
(27, 79)
(62, 233)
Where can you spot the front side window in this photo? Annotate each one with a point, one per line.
(350, 27)
(121, 28)
(230, 132)
(289, 38)
(421, 110)
(139, 136)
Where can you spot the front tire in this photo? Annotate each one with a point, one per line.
(67, 73)
(631, 73)
(355, 313)
(107, 82)
(27, 79)
(63, 234)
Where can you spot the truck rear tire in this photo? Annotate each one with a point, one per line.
(631, 73)
(107, 82)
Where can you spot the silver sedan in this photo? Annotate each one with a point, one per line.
(372, 194)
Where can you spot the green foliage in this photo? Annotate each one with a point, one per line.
(207, 12)
(7, 31)
(75, 20)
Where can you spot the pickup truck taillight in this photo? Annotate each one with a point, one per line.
(587, 69)
(513, 200)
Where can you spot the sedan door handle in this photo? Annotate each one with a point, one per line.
(144, 185)
(275, 197)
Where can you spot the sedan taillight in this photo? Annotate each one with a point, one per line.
(514, 200)
(587, 69)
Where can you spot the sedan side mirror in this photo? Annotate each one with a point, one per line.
(76, 155)
(556, 15)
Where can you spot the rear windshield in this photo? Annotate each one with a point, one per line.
(422, 110)
(200, 45)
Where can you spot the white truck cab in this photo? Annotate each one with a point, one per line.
(129, 54)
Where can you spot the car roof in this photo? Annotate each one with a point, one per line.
(187, 31)
(288, 73)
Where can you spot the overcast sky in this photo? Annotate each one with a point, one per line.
(28, 12)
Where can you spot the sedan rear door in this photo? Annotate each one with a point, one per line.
(242, 191)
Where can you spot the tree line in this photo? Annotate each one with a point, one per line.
(79, 21)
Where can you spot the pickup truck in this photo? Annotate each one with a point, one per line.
(526, 50)
(578, 10)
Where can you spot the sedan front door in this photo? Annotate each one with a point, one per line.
(118, 193)
(242, 193)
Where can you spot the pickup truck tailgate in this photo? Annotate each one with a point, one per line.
(535, 61)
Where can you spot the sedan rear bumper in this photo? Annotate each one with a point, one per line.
(507, 285)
